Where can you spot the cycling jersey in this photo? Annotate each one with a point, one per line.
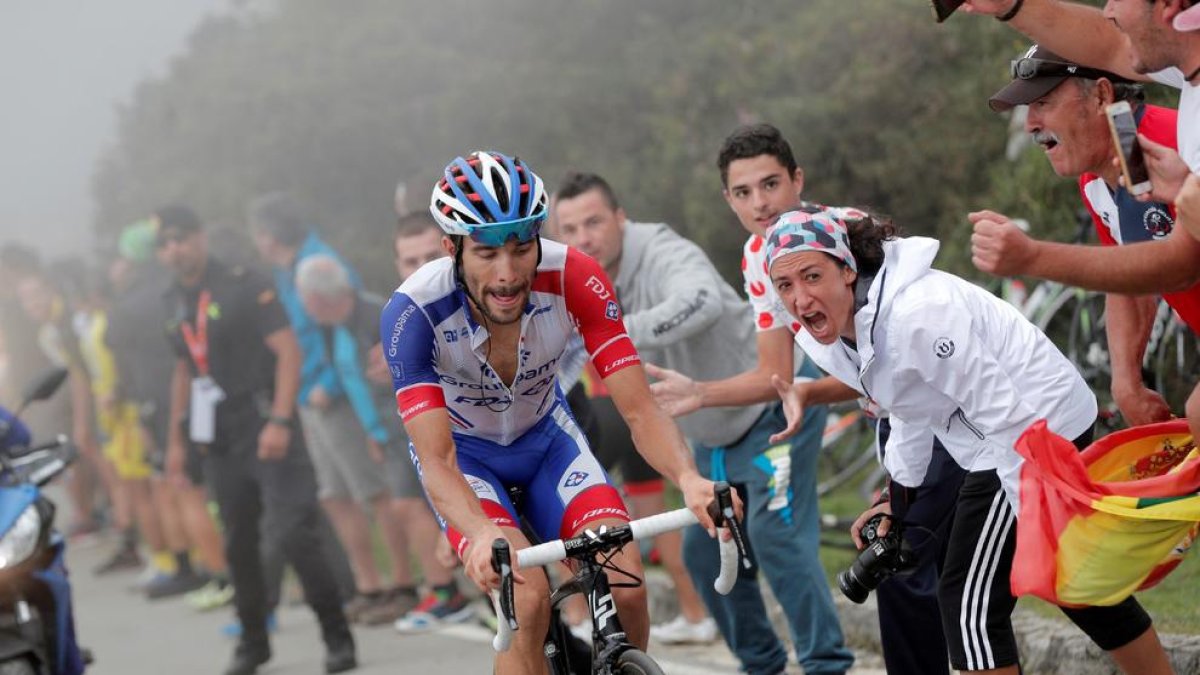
(438, 353)
(1121, 219)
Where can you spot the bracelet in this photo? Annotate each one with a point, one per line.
(279, 420)
(1012, 12)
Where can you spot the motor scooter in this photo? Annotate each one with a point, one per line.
(37, 624)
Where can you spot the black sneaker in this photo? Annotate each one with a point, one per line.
(176, 584)
(246, 660)
(126, 558)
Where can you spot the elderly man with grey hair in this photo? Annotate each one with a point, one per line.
(360, 459)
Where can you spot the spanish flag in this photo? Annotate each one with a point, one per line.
(1097, 525)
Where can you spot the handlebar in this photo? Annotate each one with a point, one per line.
(608, 538)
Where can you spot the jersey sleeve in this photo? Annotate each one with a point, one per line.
(769, 313)
(592, 304)
(408, 345)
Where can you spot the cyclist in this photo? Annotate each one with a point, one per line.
(1066, 117)
(946, 359)
(474, 343)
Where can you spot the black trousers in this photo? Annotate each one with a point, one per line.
(285, 491)
(910, 623)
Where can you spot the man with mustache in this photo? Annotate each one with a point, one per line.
(1067, 119)
(475, 342)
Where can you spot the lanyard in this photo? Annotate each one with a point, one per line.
(197, 338)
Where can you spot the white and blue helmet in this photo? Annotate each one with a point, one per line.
(487, 188)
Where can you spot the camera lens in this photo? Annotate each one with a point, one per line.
(854, 590)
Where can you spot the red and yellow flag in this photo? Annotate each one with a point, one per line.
(1097, 525)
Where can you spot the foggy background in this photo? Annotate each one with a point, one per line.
(64, 67)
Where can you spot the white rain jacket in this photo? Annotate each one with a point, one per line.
(948, 359)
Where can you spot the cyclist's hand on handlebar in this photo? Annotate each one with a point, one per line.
(675, 393)
(698, 493)
(794, 397)
(998, 246)
(477, 560)
(885, 507)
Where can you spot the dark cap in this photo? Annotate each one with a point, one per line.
(175, 217)
(1043, 70)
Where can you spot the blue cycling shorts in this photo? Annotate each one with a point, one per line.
(563, 485)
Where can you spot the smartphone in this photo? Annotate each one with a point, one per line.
(1133, 161)
(942, 9)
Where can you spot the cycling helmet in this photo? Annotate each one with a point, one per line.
(486, 189)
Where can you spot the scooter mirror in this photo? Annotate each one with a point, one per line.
(45, 386)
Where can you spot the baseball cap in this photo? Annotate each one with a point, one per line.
(180, 219)
(1036, 73)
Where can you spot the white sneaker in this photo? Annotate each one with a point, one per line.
(680, 631)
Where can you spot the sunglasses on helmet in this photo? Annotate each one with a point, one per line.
(498, 234)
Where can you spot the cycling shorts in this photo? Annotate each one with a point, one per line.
(563, 486)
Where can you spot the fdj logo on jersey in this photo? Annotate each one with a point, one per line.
(596, 286)
(576, 478)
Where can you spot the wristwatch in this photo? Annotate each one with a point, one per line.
(280, 420)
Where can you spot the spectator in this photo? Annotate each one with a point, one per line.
(946, 358)
(418, 240)
(144, 363)
(362, 465)
(763, 180)
(680, 313)
(237, 373)
(50, 311)
(1066, 117)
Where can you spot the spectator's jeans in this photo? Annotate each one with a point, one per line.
(783, 530)
(244, 487)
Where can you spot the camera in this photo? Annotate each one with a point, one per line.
(880, 558)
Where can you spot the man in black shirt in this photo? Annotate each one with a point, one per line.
(237, 374)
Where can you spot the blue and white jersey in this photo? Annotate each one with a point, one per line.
(437, 353)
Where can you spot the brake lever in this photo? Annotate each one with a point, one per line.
(725, 516)
(502, 565)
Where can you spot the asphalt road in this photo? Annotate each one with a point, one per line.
(132, 636)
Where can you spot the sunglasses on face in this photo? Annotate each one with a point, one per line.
(1029, 68)
(498, 234)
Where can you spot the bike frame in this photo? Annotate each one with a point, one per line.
(609, 640)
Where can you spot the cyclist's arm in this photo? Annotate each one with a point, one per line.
(655, 434)
(1076, 32)
(442, 479)
(1162, 266)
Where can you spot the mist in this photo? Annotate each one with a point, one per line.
(65, 67)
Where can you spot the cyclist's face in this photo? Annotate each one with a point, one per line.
(819, 292)
(589, 223)
(759, 189)
(499, 278)
(1070, 126)
(414, 251)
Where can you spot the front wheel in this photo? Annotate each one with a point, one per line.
(635, 662)
(23, 666)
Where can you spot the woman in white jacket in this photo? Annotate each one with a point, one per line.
(950, 360)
